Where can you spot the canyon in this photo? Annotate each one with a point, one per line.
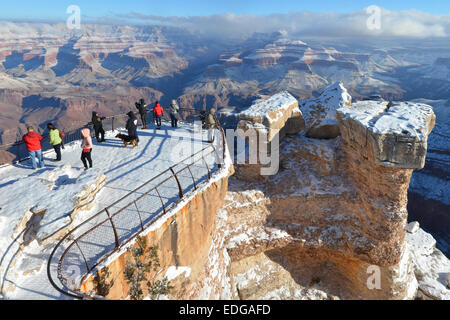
(334, 215)
(48, 73)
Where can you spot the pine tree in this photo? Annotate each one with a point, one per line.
(144, 259)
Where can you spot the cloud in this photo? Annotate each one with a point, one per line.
(409, 24)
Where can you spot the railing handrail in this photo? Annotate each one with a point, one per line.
(73, 128)
(85, 124)
(69, 132)
(77, 293)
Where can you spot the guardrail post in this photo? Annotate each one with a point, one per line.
(193, 180)
(112, 125)
(222, 133)
(207, 167)
(178, 182)
(82, 254)
(18, 151)
(116, 237)
(140, 218)
(160, 198)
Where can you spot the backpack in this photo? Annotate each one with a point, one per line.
(62, 135)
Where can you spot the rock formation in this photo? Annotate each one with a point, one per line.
(320, 113)
(262, 126)
(431, 267)
(331, 224)
(62, 195)
(335, 214)
(394, 137)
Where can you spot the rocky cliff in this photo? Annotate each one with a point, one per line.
(334, 216)
(330, 224)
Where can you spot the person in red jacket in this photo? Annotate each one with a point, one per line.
(158, 113)
(33, 142)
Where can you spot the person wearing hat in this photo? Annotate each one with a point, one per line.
(174, 109)
(142, 112)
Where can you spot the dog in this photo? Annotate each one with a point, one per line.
(127, 140)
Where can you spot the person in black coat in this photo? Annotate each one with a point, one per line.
(98, 127)
(143, 112)
(131, 126)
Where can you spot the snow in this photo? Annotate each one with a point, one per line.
(413, 227)
(218, 265)
(23, 272)
(259, 55)
(174, 272)
(404, 118)
(257, 235)
(277, 103)
(431, 266)
(331, 99)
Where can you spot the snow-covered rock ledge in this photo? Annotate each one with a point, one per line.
(320, 113)
(41, 216)
(393, 136)
(431, 266)
(54, 198)
(277, 115)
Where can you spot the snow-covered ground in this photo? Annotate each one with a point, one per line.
(57, 186)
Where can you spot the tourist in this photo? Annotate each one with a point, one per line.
(158, 113)
(131, 126)
(33, 142)
(174, 109)
(211, 125)
(55, 140)
(98, 127)
(142, 112)
(86, 145)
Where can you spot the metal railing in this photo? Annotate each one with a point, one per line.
(18, 152)
(89, 244)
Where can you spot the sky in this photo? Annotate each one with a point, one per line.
(242, 18)
(94, 10)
